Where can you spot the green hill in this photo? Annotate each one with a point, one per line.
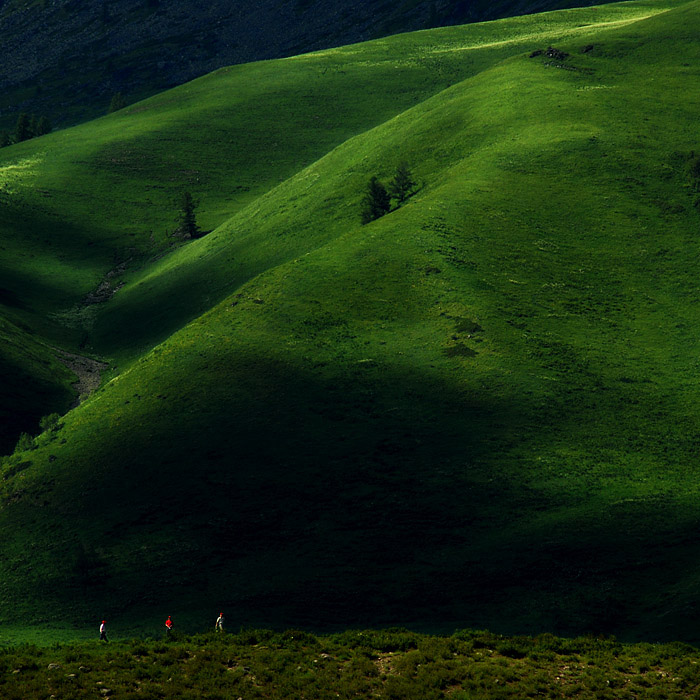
(476, 410)
(66, 60)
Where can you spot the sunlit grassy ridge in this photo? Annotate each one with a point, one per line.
(478, 409)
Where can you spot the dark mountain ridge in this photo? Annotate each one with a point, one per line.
(65, 59)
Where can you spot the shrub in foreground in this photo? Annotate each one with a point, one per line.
(393, 663)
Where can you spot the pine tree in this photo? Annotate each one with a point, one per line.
(376, 201)
(118, 102)
(402, 184)
(23, 130)
(187, 228)
(5, 139)
(43, 126)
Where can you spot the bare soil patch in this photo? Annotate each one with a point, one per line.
(87, 370)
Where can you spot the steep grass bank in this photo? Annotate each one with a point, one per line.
(34, 383)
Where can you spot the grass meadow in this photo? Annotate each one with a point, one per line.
(479, 410)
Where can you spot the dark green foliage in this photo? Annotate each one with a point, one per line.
(376, 201)
(25, 442)
(23, 128)
(43, 126)
(118, 102)
(694, 167)
(50, 421)
(5, 139)
(262, 664)
(28, 126)
(694, 171)
(402, 184)
(187, 223)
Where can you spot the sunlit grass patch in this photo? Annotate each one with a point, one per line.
(19, 174)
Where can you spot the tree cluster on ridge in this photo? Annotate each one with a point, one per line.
(377, 199)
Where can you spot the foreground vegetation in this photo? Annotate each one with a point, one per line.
(393, 664)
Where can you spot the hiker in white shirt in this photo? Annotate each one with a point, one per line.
(219, 627)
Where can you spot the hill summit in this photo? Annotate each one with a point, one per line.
(67, 59)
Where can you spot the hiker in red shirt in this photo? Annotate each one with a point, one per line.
(168, 626)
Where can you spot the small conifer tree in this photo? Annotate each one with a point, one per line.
(376, 201)
(118, 102)
(402, 184)
(23, 129)
(5, 139)
(187, 227)
(43, 126)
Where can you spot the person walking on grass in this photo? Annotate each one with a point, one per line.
(219, 627)
(103, 631)
(169, 626)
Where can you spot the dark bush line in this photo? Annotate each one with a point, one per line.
(28, 126)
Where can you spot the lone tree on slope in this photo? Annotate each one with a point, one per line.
(43, 126)
(402, 184)
(376, 201)
(187, 227)
(118, 102)
(23, 129)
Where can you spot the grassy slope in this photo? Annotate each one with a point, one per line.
(324, 448)
(220, 138)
